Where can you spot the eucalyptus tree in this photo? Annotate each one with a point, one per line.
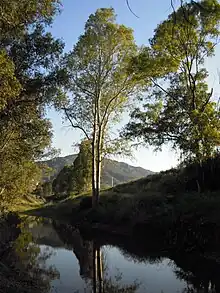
(179, 107)
(99, 86)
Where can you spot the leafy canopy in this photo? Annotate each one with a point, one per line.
(97, 70)
(99, 85)
(179, 108)
(29, 82)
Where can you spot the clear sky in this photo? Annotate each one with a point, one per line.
(70, 24)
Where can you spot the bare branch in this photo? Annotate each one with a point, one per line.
(207, 100)
(174, 11)
(113, 98)
(82, 89)
(75, 126)
(129, 7)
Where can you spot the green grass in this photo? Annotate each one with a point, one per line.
(57, 211)
(135, 201)
(166, 203)
(163, 216)
(28, 202)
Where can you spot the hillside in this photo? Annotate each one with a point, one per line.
(119, 172)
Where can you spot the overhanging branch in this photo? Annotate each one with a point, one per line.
(74, 125)
(129, 7)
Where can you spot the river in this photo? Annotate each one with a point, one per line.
(61, 260)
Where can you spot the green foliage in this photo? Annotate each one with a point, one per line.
(63, 182)
(99, 84)
(47, 189)
(83, 168)
(76, 177)
(16, 16)
(10, 87)
(44, 190)
(180, 109)
(29, 75)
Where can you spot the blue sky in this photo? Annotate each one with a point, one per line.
(70, 24)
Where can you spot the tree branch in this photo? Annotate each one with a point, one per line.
(207, 100)
(113, 98)
(83, 89)
(129, 7)
(73, 125)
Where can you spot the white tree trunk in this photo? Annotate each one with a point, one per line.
(94, 175)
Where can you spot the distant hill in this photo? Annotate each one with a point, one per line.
(119, 172)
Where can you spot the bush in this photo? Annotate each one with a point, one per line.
(206, 174)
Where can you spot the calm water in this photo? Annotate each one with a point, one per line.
(63, 261)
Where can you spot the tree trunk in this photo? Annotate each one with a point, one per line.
(98, 173)
(94, 281)
(95, 169)
(97, 180)
(94, 175)
(98, 161)
(99, 270)
(97, 152)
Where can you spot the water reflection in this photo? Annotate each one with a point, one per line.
(200, 275)
(43, 249)
(92, 265)
(24, 266)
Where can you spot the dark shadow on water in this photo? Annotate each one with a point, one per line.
(200, 274)
(24, 269)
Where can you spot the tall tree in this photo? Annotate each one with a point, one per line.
(99, 85)
(29, 76)
(180, 108)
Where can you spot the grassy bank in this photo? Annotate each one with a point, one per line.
(179, 208)
(22, 204)
(186, 222)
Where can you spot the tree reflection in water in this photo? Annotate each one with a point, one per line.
(24, 268)
(93, 266)
(199, 274)
(102, 282)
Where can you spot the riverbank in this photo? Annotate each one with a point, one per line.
(9, 231)
(177, 209)
(165, 207)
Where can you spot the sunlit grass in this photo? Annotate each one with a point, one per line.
(26, 203)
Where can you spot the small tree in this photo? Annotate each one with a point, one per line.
(99, 83)
(82, 167)
(76, 177)
(63, 182)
